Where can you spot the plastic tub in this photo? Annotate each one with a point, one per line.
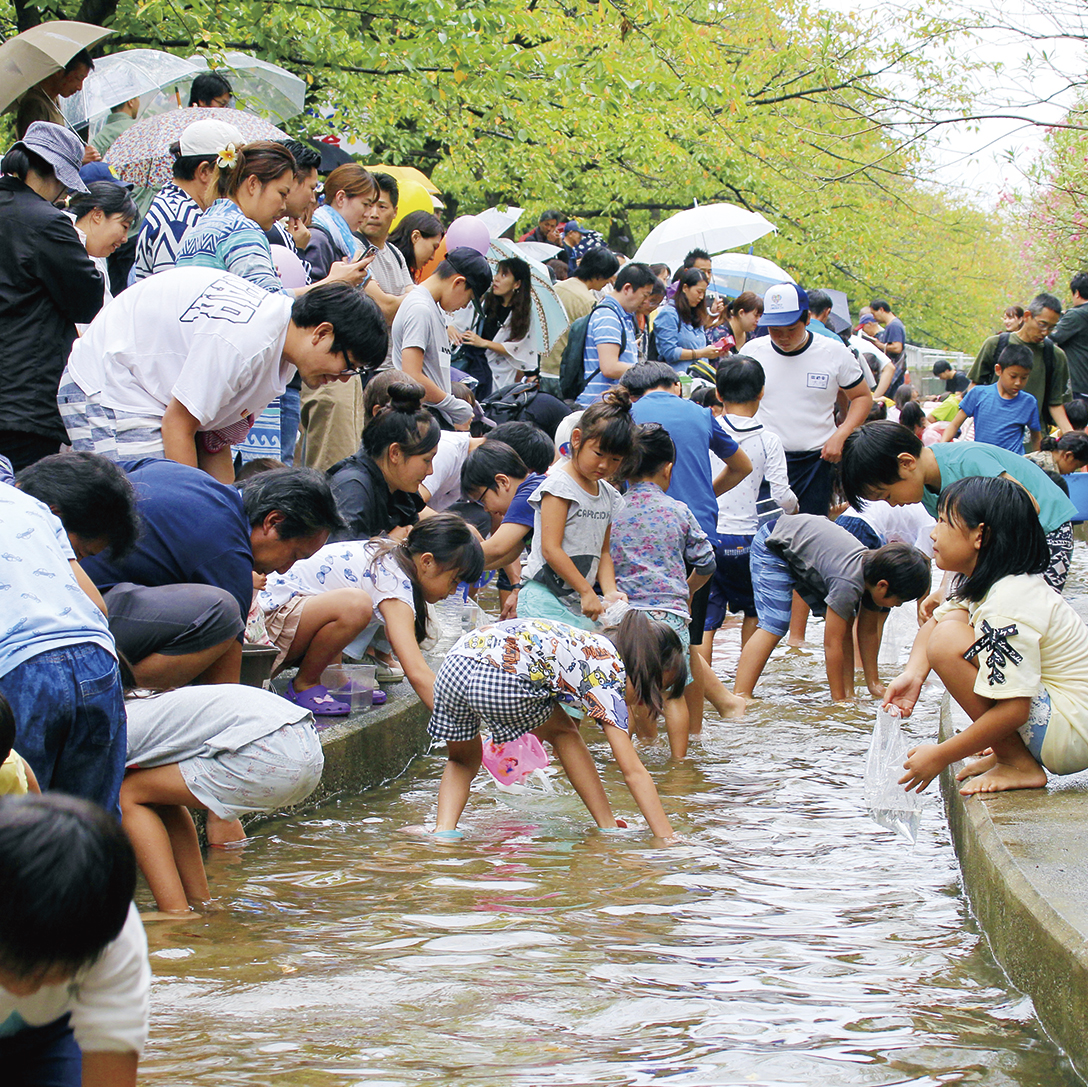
(352, 683)
(257, 661)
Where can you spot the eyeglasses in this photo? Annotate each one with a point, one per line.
(1046, 326)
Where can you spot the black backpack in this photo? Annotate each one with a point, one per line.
(987, 375)
(508, 404)
(572, 367)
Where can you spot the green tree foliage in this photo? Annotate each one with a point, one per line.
(621, 113)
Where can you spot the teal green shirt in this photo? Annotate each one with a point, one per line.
(957, 460)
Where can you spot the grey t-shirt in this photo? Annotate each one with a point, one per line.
(588, 518)
(391, 272)
(419, 323)
(205, 720)
(825, 559)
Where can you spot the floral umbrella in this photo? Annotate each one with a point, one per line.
(141, 154)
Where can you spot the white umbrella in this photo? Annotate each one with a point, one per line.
(121, 76)
(271, 90)
(713, 227)
(498, 221)
(541, 251)
(734, 273)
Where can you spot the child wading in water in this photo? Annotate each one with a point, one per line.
(516, 674)
(654, 539)
(1009, 649)
(572, 529)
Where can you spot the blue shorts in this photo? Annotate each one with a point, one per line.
(47, 1055)
(731, 586)
(861, 530)
(678, 623)
(772, 585)
(1033, 730)
(537, 602)
(70, 721)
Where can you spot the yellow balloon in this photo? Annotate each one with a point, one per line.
(413, 197)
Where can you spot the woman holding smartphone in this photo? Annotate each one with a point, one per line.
(349, 190)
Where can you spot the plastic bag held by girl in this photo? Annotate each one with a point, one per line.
(888, 802)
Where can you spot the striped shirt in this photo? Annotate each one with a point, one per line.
(607, 325)
(170, 215)
(227, 238)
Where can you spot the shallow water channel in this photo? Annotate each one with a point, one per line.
(788, 940)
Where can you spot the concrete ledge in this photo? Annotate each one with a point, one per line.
(1024, 859)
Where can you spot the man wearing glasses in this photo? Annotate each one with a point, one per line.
(1049, 380)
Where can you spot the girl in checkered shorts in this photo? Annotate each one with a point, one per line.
(516, 675)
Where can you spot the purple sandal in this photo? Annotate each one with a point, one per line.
(317, 700)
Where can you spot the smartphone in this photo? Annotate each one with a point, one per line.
(369, 251)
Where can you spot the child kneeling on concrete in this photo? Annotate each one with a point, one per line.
(838, 578)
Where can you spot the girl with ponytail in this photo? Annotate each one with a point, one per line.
(518, 674)
(655, 541)
(573, 511)
(377, 488)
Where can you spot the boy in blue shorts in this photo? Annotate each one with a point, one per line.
(838, 578)
(1002, 410)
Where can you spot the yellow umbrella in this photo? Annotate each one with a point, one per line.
(413, 197)
(408, 173)
(37, 53)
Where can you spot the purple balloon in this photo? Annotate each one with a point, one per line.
(469, 231)
(289, 267)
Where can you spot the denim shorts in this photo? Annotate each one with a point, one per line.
(861, 530)
(731, 585)
(70, 721)
(772, 585)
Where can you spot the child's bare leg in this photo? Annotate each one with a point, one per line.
(676, 724)
(563, 735)
(462, 762)
(1009, 765)
(798, 621)
(185, 845)
(329, 622)
(747, 629)
(143, 794)
(223, 831)
(753, 659)
(724, 701)
(695, 694)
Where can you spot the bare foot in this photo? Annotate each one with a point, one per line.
(1004, 776)
(732, 705)
(978, 766)
(795, 643)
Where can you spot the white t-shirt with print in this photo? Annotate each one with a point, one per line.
(444, 482)
(109, 1001)
(800, 391)
(203, 336)
(1035, 642)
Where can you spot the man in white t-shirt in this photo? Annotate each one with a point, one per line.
(182, 362)
(804, 377)
(74, 980)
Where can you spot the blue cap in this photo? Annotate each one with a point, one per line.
(100, 171)
(572, 225)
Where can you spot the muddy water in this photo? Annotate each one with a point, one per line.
(788, 940)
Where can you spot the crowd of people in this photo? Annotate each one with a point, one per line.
(675, 457)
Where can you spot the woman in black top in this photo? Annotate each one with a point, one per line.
(377, 488)
(48, 284)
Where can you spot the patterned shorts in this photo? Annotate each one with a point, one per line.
(1060, 542)
(772, 585)
(115, 434)
(469, 692)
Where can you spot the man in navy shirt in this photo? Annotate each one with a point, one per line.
(655, 388)
(178, 600)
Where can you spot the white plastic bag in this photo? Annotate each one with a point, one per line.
(888, 802)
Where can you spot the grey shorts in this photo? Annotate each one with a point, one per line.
(171, 619)
(274, 772)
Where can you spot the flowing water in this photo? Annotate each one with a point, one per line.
(787, 940)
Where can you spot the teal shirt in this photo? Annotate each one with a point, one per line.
(957, 460)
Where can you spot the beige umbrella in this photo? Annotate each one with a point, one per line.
(30, 57)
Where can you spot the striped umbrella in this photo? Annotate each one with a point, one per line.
(141, 154)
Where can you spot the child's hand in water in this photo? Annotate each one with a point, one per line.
(923, 764)
(591, 604)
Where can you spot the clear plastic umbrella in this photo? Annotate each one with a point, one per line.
(713, 227)
(260, 85)
(30, 57)
(134, 73)
(734, 273)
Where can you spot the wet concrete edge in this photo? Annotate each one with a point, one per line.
(1043, 950)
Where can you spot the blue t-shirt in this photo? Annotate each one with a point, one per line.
(607, 324)
(42, 606)
(894, 332)
(999, 421)
(817, 326)
(694, 433)
(193, 530)
(520, 512)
